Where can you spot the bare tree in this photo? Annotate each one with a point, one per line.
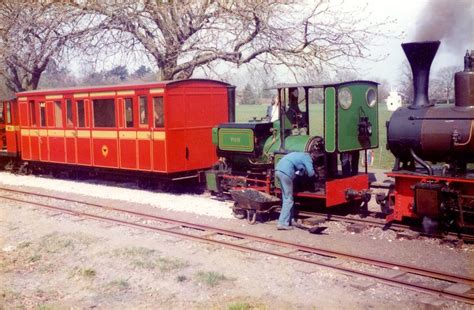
(56, 76)
(406, 82)
(180, 36)
(32, 33)
(445, 77)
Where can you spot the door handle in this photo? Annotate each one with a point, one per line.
(187, 153)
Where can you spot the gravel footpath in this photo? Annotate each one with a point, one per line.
(197, 204)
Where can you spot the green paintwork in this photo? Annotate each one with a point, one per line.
(236, 139)
(292, 144)
(348, 120)
(330, 119)
(211, 180)
(215, 135)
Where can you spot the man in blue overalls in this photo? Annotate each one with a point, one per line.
(288, 168)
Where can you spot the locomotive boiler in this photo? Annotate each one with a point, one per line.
(433, 147)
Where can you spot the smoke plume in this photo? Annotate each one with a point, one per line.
(450, 21)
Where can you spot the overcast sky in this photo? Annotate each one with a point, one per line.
(436, 17)
(409, 18)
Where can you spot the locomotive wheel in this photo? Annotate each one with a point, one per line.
(251, 217)
(237, 212)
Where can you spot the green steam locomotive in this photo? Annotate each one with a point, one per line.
(249, 151)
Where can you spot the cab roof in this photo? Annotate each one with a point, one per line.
(313, 85)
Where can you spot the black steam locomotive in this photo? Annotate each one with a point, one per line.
(434, 148)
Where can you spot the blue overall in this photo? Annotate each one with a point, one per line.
(288, 168)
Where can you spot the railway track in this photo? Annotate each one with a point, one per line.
(372, 221)
(451, 286)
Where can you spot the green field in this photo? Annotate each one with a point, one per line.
(383, 158)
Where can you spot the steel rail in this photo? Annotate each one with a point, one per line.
(331, 253)
(383, 279)
(379, 223)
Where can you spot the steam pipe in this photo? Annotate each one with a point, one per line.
(425, 165)
(282, 120)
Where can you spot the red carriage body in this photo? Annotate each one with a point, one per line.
(9, 129)
(162, 127)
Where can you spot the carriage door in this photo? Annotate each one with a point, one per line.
(127, 134)
(43, 132)
(144, 132)
(3, 136)
(70, 133)
(159, 135)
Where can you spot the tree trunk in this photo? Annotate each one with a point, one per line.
(447, 95)
(167, 69)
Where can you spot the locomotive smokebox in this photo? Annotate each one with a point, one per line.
(423, 132)
(420, 56)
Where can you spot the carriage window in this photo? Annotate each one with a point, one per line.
(81, 115)
(42, 114)
(104, 112)
(69, 121)
(9, 113)
(32, 113)
(143, 111)
(1, 112)
(158, 114)
(128, 113)
(58, 114)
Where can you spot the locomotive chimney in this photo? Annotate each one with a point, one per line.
(420, 56)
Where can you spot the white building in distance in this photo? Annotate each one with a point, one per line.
(394, 100)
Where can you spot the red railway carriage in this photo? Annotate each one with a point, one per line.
(9, 129)
(161, 127)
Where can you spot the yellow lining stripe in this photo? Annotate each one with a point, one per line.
(159, 135)
(54, 97)
(56, 133)
(81, 95)
(157, 91)
(143, 135)
(109, 134)
(104, 134)
(83, 134)
(103, 93)
(128, 135)
(125, 92)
